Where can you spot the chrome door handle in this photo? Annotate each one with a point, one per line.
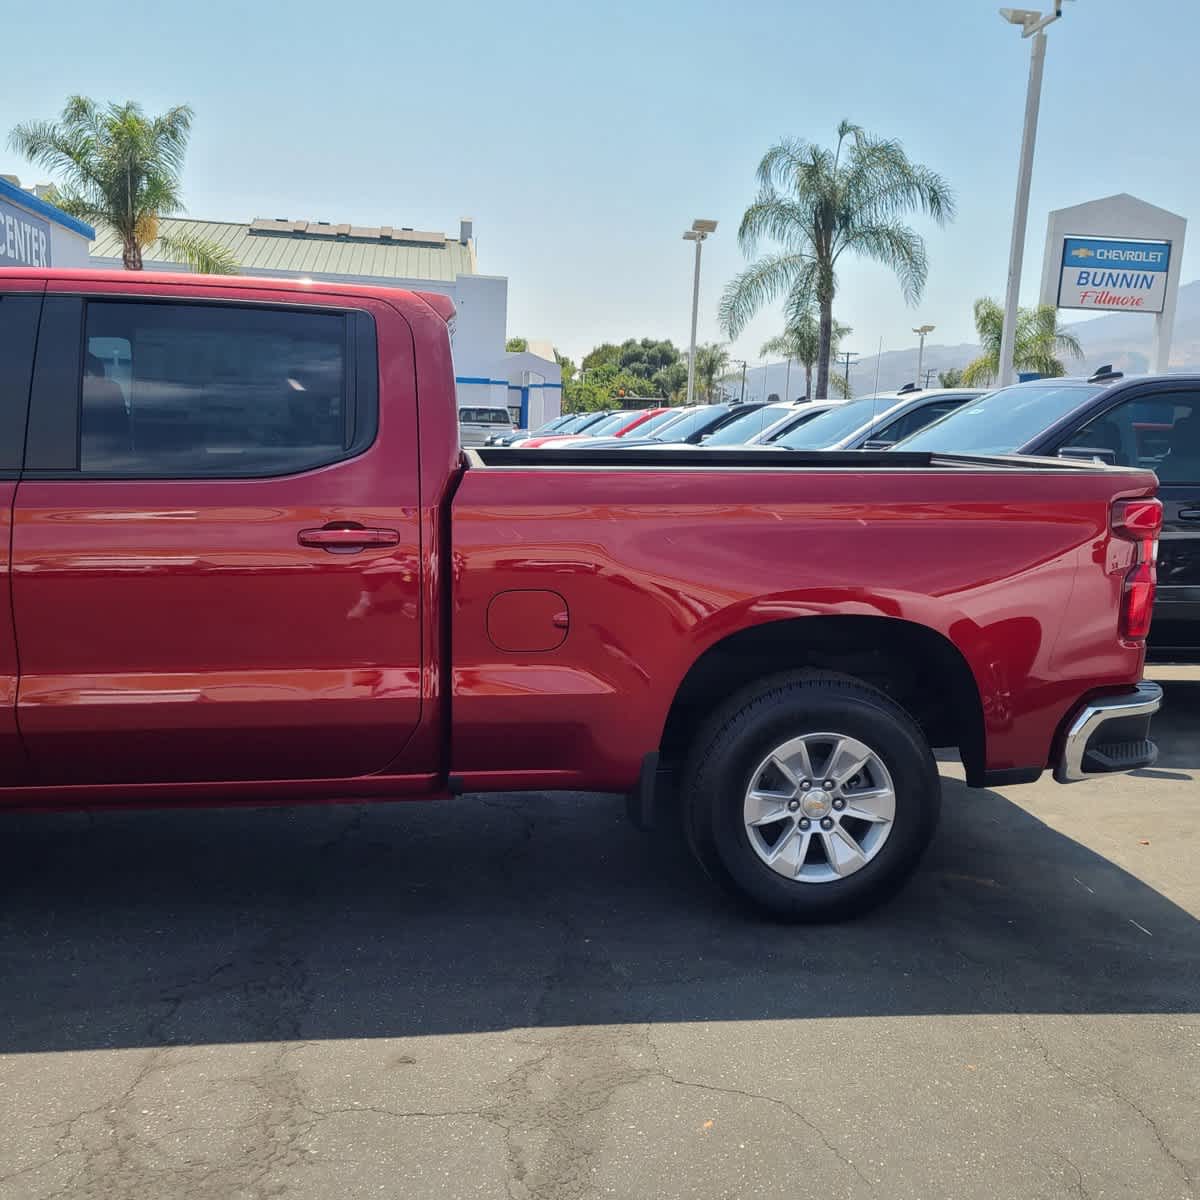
(347, 538)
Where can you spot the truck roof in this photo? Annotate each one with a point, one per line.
(132, 280)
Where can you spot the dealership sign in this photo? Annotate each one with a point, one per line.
(1114, 276)
(24, 238)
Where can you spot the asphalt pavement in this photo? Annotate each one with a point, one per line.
(521, 998)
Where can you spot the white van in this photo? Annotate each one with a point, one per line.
(477, 423)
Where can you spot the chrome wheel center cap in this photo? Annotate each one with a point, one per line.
(816, 805)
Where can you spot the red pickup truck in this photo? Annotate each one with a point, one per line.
(245, 559)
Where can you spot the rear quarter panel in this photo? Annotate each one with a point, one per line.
(658, 564)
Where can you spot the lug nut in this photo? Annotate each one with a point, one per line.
(805, 784)
(804, 822)
(839, 804)
(793, 805)
(828, 785)
(826, 822)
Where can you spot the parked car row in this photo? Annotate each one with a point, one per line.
(872, 422)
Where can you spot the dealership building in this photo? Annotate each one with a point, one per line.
(528, 384)
(34, 233)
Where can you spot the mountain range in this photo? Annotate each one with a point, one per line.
(1123, 339)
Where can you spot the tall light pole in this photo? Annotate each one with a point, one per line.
(698, 232)
(921, 331)
(1032, 25)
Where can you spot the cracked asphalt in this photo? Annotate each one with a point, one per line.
(521, 998)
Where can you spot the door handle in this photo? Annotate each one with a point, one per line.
(1189, 514)
(346, 539)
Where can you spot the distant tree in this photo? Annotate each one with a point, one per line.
(712, 361)
(671, 382)
(565, 365)
(646, 357)
(801, 341)
(606, 354)
(606, 386)
(516, 345)
(817, 204)
(1040, 340)
(120, 168)
(951, 378)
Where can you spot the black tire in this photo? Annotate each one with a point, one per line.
(743, 731)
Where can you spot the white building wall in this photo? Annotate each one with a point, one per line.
(534, 386)
(68, 248)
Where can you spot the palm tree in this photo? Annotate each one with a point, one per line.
(712, 361)
(801, 340)
(120, 168)
(818, 204)
(1040, 340)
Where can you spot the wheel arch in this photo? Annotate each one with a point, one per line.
(917, 666)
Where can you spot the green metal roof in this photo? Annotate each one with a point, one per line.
(313, 248)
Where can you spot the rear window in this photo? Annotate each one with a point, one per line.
(484, 416)
(1001, 422)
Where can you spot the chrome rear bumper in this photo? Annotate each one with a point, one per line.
(1094, 745)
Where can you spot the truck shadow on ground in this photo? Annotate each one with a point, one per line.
(135, 929)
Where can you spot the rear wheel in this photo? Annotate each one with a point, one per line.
(813, 796)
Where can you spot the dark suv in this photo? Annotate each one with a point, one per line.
(1150, 421)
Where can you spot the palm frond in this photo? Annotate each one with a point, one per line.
(838, 385)
(776, 218)
(896, 246)
(203, 257)
(767, 279)
(981, 371)
(882, 182)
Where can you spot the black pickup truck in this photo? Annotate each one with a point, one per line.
(1149, 421)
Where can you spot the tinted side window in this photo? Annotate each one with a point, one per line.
(1160, 431)
(190, 390)
(18, 334)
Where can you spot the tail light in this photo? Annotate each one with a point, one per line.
(1138, 521)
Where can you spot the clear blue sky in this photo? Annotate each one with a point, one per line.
(583, 139)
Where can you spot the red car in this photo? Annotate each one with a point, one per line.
(245, 560)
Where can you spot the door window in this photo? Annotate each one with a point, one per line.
(190, 391)
(1160, 431)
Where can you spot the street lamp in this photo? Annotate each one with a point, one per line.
(699, 231)
(922, 330)
(1032, 25)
